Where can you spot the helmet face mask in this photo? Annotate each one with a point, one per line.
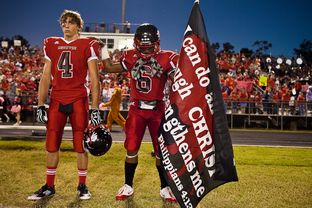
(146, 41)
(97, 140)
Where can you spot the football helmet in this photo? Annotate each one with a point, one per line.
(146, 41)
(97, 140)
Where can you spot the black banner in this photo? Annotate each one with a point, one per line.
(194, 140)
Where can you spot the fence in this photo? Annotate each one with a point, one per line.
(239, 114)
(268, 114)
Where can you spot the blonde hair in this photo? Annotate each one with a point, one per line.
(76, 17)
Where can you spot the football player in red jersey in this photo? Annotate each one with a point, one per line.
(149, 68)
(69, 60)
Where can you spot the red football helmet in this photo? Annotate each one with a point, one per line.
(97, 140)
(146, 41)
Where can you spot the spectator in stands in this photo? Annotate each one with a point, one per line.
(275, 101)
(252, 102)
(6, 107)
(125, 95)
(28, 106)
(230, 82)
(225, 96)
(304, 88)
(243, 99)
(258, 100)
(277, 82)
(106, 83)
(285, 102)
(266, 101)
(309, 98)
(106, 95)
(16, 110)
(301, 103)
(297, 86)
(128, 26)
(116, 56)
(293, 91)
(234, 100)
(1, 107)
(271, 80)
(292, 105)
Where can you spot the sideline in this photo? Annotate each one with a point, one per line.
(42, 127)
(240, 137)
(27, 127)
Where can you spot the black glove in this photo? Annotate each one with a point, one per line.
(95, 117)
(42, 114)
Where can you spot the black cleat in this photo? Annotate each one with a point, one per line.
(44, 192)
(83, 192)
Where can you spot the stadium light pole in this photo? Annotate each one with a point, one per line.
(123, 14)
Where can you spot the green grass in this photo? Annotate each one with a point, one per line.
(268, 177)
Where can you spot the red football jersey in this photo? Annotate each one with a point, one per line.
(148, 78)
(69, 71)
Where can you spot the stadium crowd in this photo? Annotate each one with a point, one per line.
(249, 84)
(265, 85)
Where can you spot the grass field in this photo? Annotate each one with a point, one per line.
(268, 177)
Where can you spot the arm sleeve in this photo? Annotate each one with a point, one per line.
(125, 61)
(93, 51)
(46, 49)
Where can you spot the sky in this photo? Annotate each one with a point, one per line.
(284, 23)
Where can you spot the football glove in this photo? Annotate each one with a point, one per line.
(42, 114)
(95, 117)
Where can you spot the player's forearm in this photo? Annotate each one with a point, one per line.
(95, 83)
(110, 67)
(107, 62)
(95, 93)
(44, 86)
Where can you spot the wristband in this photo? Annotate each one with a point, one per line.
(104, 53)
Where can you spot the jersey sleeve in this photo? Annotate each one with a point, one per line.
(126, 60)
(47, 48)
(173, 62)
(93, 50)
